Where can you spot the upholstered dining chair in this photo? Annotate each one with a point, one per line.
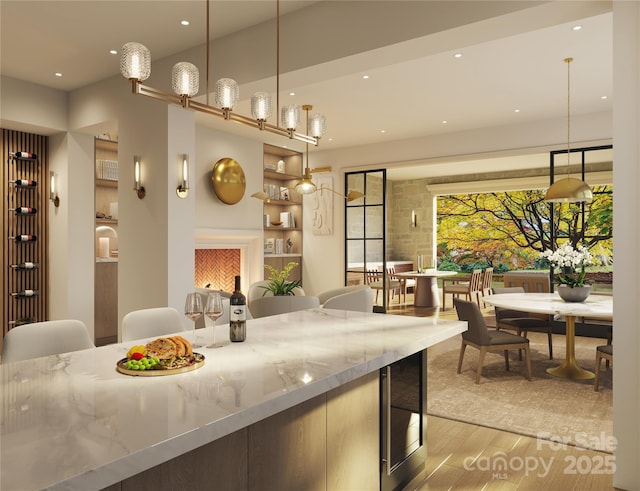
(151, 322)
(485, 340)
(282, 304)
(357, 298)
(534, 282)
(522, 322)
(605, 351)
(256, 291)
(470, 289)
(45, 338)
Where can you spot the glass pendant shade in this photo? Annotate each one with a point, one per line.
(261, 106)
(227, 93)
(317, 125)
(306, 185)
(185, 79)
(135, 61)
(290, 116)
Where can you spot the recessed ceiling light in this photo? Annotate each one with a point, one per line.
(603, 97)
(330, 139)
(576, 28)
(58, 74)
(382, 131)
(458, 55)
(113, 51)
(292, 93)
(184, 22)
(444, 121)
(365, 77)
(516, 110)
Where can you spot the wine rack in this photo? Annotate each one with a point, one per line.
(25, 229)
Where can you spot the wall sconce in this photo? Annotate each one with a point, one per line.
(137, 186)
(183, 190)
(414, 218)
(53, 194)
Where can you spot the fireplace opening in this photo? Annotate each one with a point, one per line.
(216, 268)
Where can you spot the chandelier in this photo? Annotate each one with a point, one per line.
(568, 189)
(135, 65)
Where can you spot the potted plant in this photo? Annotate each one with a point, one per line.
(573, 286)
(278, 280)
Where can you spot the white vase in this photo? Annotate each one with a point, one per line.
(574, 294)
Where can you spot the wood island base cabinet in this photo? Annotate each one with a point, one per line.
(329, 442)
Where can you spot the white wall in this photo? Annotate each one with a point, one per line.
(181, 217)
(71, 225)
(626, 237)
(240, 222)
(32, 108)
(211, 146)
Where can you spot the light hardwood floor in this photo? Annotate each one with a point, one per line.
(462, 456)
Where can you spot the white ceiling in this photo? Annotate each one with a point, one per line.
(414, 85)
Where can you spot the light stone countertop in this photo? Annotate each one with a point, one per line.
(72, 421)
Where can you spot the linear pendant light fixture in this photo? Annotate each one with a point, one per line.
(135, 65)
(569, 189)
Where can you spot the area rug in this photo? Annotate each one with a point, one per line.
(546, 407)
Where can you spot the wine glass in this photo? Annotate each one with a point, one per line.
(193, 310)
(213, 311)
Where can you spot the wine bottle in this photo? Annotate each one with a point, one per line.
(24, 183)
(25, 155)
(238, 314)
(24, 210)
(25, 266)
(24, 238)
(25, 293)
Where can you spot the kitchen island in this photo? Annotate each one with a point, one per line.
(73, 422)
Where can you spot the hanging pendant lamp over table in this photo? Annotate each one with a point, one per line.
(568, 189)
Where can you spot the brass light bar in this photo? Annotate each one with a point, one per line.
(188, 103)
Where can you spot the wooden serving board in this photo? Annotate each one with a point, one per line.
(197, 362)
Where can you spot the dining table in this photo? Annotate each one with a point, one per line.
(595, 306)
(426, 292)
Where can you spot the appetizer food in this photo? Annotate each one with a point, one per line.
(167, 353)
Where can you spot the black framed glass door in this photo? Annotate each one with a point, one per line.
(365, 234)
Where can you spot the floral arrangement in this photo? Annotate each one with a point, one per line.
(571, 263)
(278, 282)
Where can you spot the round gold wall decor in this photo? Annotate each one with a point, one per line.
(228, 180)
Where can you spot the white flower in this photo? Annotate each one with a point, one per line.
(571, 263)
(566, 256)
